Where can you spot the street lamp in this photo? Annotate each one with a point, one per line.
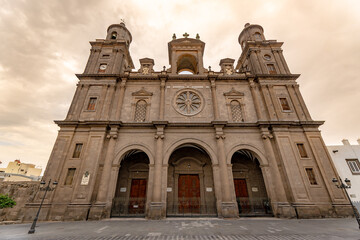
(344, 186)
(42, 188)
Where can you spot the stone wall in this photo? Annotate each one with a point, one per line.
(22, 193)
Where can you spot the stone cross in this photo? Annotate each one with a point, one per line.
(185, 35)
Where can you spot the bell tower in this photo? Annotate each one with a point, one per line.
(111, 55)
(186, 54)
(260, 56)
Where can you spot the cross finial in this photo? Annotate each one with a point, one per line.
(197, 36)
(185, 35)
(122, 21)
(174, 36)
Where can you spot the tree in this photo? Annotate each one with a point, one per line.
(6, 201)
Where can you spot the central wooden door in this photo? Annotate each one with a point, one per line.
(242, 196)
(137, 196)
(189, 193)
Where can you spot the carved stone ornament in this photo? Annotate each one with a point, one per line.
(188, 102)
(233, 92)
(228, 71)
(142, 92)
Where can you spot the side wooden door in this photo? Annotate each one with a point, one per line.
(137, 196)
(189, 193)
(242, 196)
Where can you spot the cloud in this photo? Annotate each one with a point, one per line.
(45, 43)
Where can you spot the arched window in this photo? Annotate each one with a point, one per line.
(236, 111)
(140, 111)
(113, 35)
(257, 37)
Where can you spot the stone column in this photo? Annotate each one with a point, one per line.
(278, 60)
(214, 99)
(73, 103)
(268, 102)
(255, 96)
(302, 102)
(94, 60)
(80, 103)
(107, 103)
(262, 66)
(279, 201)
(281, 56)
(121, 99)
(119, 56)
(156, 205)
(162, 99)
(105, 176)
(296, 102)
(228, 207)
(254, 62)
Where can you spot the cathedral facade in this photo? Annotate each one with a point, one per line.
(189, 141)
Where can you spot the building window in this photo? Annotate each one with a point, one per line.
(140, 111)
(92, 103)
(70, 176)
(311, 175)
(271, 68)
(284, 104)
(354, 165)
(257, 37)
(113, 35)
(302, 151)
(77, 150)
(236, 111)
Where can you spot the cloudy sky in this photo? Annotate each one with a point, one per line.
(45, 42)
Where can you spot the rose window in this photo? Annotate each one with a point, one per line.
(188, 103)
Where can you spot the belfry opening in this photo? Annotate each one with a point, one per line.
(190, 184)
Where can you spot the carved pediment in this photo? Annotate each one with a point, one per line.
(233, 92)
(142, 92)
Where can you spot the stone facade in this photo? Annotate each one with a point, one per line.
(188, 140)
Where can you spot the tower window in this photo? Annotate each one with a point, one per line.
(271, 68)
(284, 104)
(236, 111)
(354, 165)
(311, 175)
(113, 35)
(140, 111)
(301, 149)
(77, 150)
(92, 103)
(70, 176)
(257, 37)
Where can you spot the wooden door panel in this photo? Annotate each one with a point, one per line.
(189, 193)
(137, 196)
(242, 196)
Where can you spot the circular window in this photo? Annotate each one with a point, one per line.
(188, 102)
(267, 57)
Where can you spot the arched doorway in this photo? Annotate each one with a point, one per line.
(190, 189)
(250, 191)
(131, 187)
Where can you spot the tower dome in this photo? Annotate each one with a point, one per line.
(117, 32)
(251, 32)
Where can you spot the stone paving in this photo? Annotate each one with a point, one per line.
(188, 229)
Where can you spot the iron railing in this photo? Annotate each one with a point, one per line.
(191, 207)
(122, 206)
(254, 206)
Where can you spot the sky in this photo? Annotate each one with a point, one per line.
(45, 43)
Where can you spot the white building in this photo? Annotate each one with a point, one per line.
(346, 159)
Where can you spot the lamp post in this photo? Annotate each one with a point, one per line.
(42, 188)
(344, 186)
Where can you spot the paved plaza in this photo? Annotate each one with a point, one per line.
(187, 228)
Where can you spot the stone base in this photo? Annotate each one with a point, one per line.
(77, 212)
(98, 211)
(343, 210)
(156, 211)
(229, 210)
(32, 208)
(283, 210)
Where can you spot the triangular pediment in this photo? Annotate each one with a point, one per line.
(142, 92)
(233, 92)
